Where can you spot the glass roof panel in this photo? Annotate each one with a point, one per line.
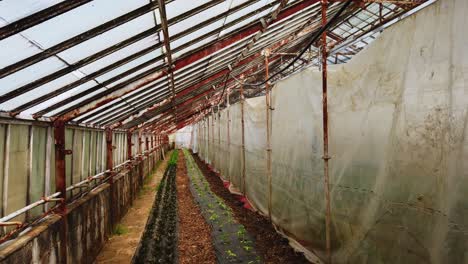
(56, 99)
(12, 10)
(135, 73)
(178, 7)
(196, 34)
(30, 74)
(16, 48)
(123, 53)
(72, 23)
(108, 38)
(198, 18)
(66, 106)
(127, 66)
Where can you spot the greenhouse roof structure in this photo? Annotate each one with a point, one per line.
(160, 65)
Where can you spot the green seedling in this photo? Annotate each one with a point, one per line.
(214, 217)
(120, 230)
(247, 248)
(231, 254)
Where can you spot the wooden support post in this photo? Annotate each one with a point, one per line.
(242, 101)
(326, 158)
(268, 129)
(61, 186)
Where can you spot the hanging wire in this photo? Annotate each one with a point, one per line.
(312, 41)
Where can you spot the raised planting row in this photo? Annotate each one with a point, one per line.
(231, 241)
(159, 241)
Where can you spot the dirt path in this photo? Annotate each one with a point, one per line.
(121, 246)
(195, 243)
(272, 247)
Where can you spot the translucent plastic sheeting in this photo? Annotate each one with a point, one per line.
(24, 172)
(398, 140)
(183, 137)
(255, 152)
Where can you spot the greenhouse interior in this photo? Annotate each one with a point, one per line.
(234, 131)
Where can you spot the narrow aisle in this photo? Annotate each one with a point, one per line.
(194, 244)
(121, 246)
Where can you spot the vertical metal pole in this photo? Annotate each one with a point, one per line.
(109, 167)
(208, 137)
(60, 185)
(242, 99)
(140, 164)
(219, 140)
(109, 149)
(30, 168)
(213, 152)
(268, 128)
(147, 144)
(129, 145)
(6, 169)
(47, 166)
(228, 131)
(326, 158)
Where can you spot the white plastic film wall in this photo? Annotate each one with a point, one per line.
(398, 140)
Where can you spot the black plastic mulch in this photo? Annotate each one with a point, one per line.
(231, 241)
(159, 240)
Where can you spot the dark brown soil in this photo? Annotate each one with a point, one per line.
(194, 242)
(272, 247)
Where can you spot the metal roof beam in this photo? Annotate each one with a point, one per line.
(39, 17)
(196, 55)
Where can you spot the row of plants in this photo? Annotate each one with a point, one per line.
(232, 242)
(159, 241)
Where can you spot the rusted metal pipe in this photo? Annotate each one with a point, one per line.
(325, 157)
(268, 129)
(228, 128)
(61, 186)
(242, 102)
(110, 172)
(129, 145)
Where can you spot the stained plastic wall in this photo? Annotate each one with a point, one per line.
(398, 140)
(27, 167)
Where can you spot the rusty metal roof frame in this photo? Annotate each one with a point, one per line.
(160, 79)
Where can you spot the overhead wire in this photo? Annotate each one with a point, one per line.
(312, 41)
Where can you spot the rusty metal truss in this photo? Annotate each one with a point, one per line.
(158, 66)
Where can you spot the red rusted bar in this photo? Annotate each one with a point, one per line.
(140, 160)
(147, 144)
(326, 158)
(187, 60)
(242, 99)
(109, 152)
(109, 168)
(61, 186)
(268, 131)
(129, 145)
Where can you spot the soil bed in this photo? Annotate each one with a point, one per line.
(194, 243)
(232, 242)
(271, 246)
